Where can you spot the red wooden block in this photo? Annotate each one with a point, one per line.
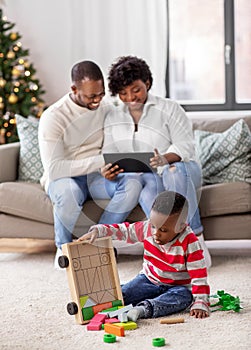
(100, 307)
(99, 318)
(94, 326)
(111, 320)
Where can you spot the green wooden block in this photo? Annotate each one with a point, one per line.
(117, 303)
(109, 310)
(87, 313)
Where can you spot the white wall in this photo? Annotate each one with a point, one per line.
(59, 33)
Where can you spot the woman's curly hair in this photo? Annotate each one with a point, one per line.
(125, 71)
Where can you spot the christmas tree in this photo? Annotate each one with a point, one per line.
(20, 91)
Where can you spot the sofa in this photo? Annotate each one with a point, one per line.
(26, 218)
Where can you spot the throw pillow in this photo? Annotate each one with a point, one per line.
(30, 165)
(226, 156)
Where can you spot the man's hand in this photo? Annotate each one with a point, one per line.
(110, 172)
(158, 159)
(198, 313)
(91, 235)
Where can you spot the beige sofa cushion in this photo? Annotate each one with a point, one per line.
(28, 200)
(216, 124)
(25, 200)
(226, 198)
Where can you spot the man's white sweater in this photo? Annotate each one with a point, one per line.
(70, 140)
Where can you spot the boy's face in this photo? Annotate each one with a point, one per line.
(166, 227)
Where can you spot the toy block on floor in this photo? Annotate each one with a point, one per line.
(94, 326)
(99, 318)
(92, 277)
(120, 311)
(116, 330)
(111, 320)
(127, 325)
(123, 317)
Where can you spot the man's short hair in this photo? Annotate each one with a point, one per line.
(86, 69)
(169, 203)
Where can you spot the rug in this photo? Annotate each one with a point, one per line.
(34, 297)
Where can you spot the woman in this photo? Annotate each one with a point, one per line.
(144, 123)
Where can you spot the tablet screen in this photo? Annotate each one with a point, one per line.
(131, 162)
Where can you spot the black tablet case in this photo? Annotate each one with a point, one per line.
(131, 162)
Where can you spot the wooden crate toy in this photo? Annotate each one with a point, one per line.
(92, 277)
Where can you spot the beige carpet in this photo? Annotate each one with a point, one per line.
(33, 299)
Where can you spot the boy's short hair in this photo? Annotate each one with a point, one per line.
(86, 69)
(169, 203)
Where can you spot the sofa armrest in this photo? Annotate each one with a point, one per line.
(9, 156)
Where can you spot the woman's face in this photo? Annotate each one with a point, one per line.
(135, 94)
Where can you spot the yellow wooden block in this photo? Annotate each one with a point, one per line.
(127, 325)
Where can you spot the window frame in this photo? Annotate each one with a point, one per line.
(230, 83)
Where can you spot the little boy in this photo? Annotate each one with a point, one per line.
(174, 274)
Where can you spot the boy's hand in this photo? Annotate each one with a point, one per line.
(91, 235)
(198, 313)
(110, 172)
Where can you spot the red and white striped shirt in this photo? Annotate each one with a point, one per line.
(179, 262)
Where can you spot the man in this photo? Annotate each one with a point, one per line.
(70, 140)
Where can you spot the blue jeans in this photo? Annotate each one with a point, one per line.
(69, 194)
(185, 178)
(151, 186)
(158, 300)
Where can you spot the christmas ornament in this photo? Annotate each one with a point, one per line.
(13, 98)
(2, 82)
(10, 54)
(13, 36)
(15, 72)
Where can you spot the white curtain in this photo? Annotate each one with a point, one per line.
(103, 30)
(60, 33)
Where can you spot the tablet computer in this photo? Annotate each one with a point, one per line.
(131, 162)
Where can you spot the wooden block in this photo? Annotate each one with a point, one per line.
(99, 318)
(127, 325)
(94, 326)
(116, 330)
(172, 320)
(111, 320)
(87, 313)
(117, 303)
(120, 310)
(123, 317)
(101, 307)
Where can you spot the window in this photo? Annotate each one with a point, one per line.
(209, 55)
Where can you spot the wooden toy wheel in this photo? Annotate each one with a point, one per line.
(63, 261)
(72, 308)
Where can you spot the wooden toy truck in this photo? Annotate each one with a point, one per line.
(92, 276)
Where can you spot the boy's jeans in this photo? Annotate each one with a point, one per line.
(69, 194)
(158, 300)
(185, 178)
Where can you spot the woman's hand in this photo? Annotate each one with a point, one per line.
(198, 313)
(89, 236)
(158, 159)
(110, 172)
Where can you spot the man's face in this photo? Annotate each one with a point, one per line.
(88, 93)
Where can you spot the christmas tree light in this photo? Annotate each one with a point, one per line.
(20, 91)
